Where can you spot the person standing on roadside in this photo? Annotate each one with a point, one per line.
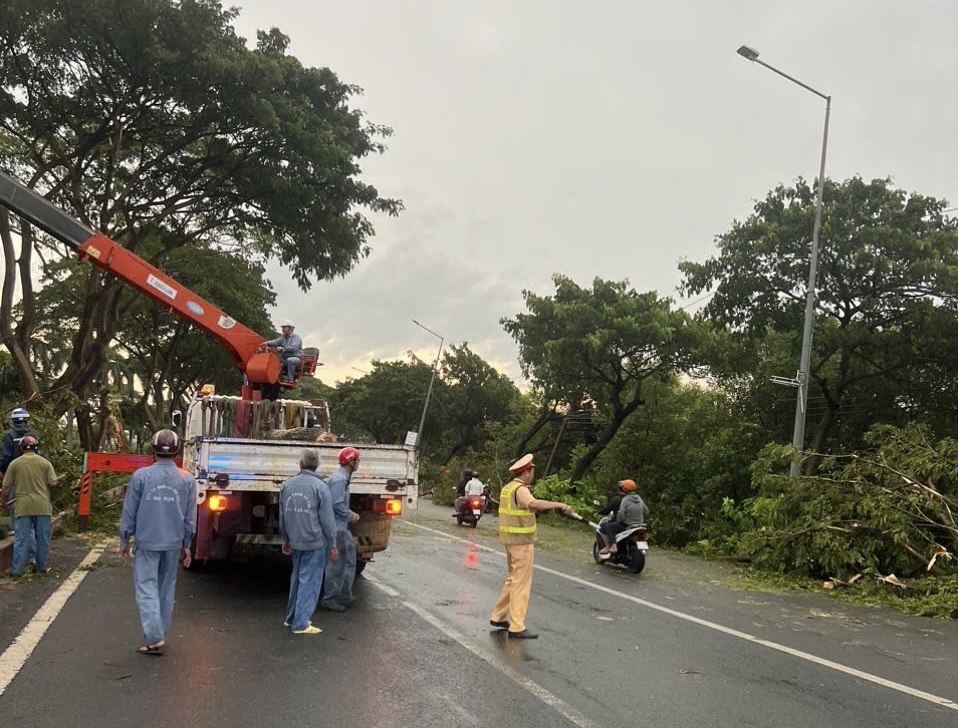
(308, 529)
(31, 475)
(517, 531)
(338, 584)
(10, 451)
(159, 513)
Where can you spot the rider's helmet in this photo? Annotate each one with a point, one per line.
(628, 486)
(29, 442)
(19, 416)
(348, 455)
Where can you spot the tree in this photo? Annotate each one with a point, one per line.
(475, 396)
(602, 342)
(152, 121)
(886, 297)
(385, 404)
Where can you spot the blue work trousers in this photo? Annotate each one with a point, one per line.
(154, 578)
(30, 533)
(338, 584)
(305, 583)
(290, 364)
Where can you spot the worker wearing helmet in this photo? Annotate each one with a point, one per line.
(611, 506)
(517, 531)
(632, 512)
(159, 513)
(32, 476)
(10, 451)
(291, 351)
(338, 582)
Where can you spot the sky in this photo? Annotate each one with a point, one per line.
(609, 139)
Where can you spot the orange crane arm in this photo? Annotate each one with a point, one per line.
(243, 344)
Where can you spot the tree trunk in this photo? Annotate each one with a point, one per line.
(16, 339)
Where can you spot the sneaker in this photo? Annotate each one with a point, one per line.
(286, 624)
(310, 629)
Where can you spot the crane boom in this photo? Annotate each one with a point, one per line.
(260, 367)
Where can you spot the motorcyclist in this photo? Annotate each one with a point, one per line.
(473, 488)
(461, 488)
(492, 505)
(612, 505)
(632, 512)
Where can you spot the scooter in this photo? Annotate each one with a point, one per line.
(631, 545)
(469, 509)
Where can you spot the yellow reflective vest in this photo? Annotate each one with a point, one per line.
(516, 525)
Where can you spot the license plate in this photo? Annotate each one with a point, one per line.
(475, 511)
(643, 545)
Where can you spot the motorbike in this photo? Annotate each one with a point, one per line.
(631, 544)
(469, 509)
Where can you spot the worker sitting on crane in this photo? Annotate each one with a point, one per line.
(290, 347)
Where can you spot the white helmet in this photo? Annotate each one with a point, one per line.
(287, 322)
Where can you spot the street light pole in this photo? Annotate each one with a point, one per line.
(435, 364)
(798, 434)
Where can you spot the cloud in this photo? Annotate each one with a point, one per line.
(596, 139)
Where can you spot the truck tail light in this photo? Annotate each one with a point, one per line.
(389, 506)
(218, 503)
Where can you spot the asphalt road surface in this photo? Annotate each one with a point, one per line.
(674, 646)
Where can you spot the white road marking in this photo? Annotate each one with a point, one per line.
(808, 657)
(16, 655)
(553, 701)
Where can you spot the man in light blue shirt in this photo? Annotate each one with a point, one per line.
(291, 351)
(308, 529)
(338, 585)
(159, 513)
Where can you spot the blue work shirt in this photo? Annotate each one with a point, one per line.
(339, 490)
(10, 450)
(159, 510)
(291, 345)
(306, 513)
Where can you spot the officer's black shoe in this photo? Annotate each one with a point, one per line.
(524, 635)
(501, 625)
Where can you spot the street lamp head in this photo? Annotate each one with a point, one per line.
(748, 53)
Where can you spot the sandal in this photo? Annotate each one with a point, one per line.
(155, 650)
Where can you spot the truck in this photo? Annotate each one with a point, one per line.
(239, 448)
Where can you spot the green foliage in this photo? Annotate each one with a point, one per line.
(604, 343)
(887, 324)
(688, 448)
(384, 405)
(875, 513)
(153, 121)
(555, 488)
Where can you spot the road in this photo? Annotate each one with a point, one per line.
(673, 646)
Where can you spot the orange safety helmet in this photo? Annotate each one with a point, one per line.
(348, 455)
(628, 486)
